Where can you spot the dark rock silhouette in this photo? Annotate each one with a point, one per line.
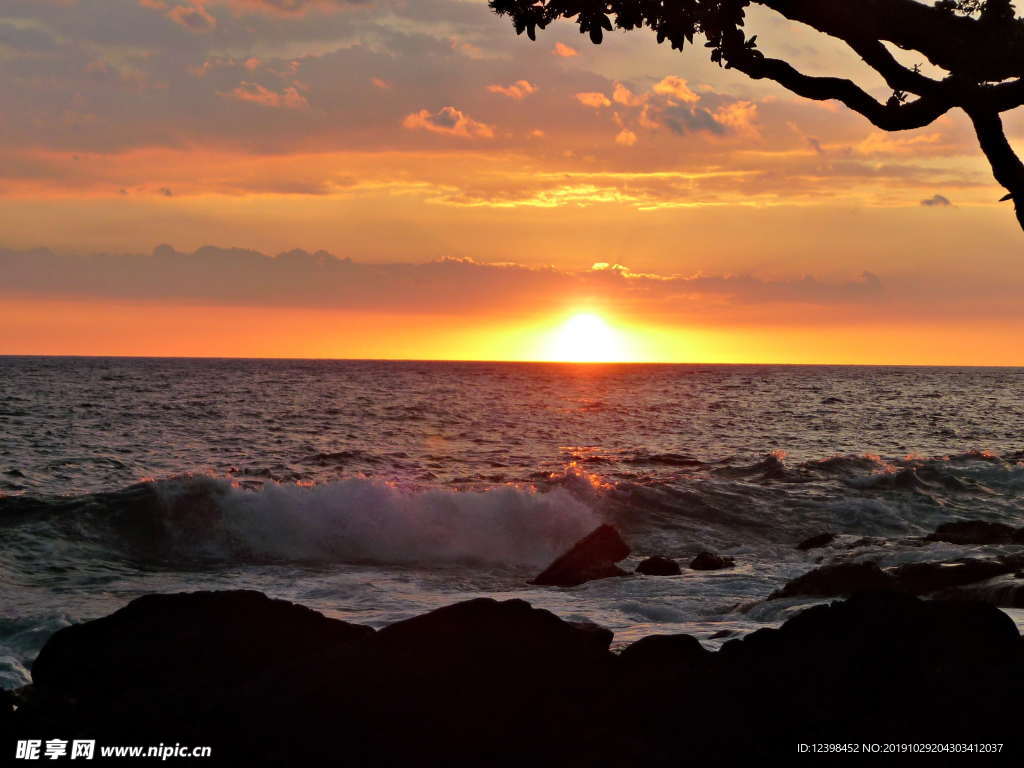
(592, 557)
(976, 532)
(661, 650)
(1006, 591)
(966, 578)
(902, 664)
(176, 668)
(709, 561)
(815, 542)
(838, 579)
(923, 578)
(481, 630)
(501, 683)
(200, 639)
(659, 566)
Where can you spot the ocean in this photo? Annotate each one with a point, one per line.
(373, 491)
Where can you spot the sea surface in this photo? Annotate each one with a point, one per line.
(374, 491)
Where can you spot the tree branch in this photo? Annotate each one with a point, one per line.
(1000, 98)
(896, 76)
(888, 117)
(1006, 166)
(969, 47)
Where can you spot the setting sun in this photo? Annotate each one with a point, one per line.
(586, 338)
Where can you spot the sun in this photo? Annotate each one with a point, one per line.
(586, 338)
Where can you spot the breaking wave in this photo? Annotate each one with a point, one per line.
(207, 518)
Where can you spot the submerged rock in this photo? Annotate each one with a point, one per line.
(659, 566)
(920, 579)
(924, 578)
(976, 532)
(838, 579)
(815, 542)
(1006, 591)
(592, 557)
(709, 561)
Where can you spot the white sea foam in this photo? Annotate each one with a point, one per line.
(359, 519)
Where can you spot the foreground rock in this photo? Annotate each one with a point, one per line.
(593, 557)
(925, 578)
(838, 579)
(201, 639)
(175, 657)
(504, 684)
(816, 542)
(709, 561)
(885, 664)
(943, 580)
(659, 566)
(480, 631)
(1006, 591)
(968, 532)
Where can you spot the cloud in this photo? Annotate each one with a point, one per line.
(593, 99)
(622, 95)
(672, 104)
(25, 38)
(448, 121)
(682, 119)
(191, 14)
(239, 277)
(740, 117)
(878, 143)
(518, 90)
(937, 201)
(290, 7)
(815, 143)
(108, 91)
(564, 51)
(254, 93)
(677, 88)
(626, 138)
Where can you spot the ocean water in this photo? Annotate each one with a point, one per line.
(374, 491)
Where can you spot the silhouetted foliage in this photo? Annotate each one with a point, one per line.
(978, 43)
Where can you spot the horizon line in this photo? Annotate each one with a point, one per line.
(503, 362)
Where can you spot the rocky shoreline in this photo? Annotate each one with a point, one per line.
(484, 682)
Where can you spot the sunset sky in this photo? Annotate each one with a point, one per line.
(410, 179)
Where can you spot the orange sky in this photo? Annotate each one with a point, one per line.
(440, 188)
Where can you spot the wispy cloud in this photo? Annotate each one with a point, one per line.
(518, 90)
(448, 121)
(254, 93)
(936, 201)
(232, 276)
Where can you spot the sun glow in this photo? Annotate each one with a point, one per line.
(586, 338)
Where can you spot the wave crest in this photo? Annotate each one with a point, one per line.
(357, 519)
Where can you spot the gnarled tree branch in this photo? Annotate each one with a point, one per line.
(1006, 166)
(888, 117)
(984, 55)
(896, 76)
(975, 48)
